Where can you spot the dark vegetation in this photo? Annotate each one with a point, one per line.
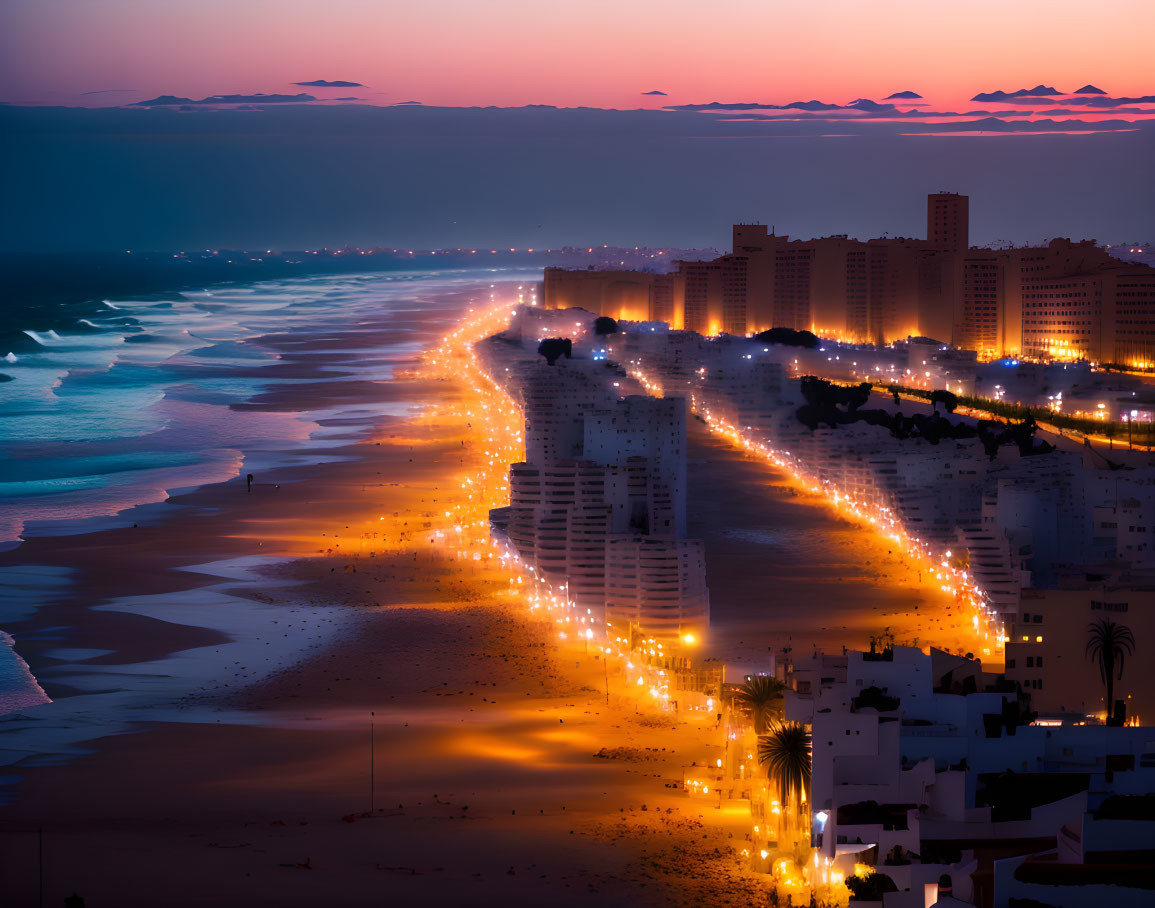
(553, 348)
(1108, 645)
(1139, 432)
(788, 336)
(605, 325)
(871, 888)
(839, 405)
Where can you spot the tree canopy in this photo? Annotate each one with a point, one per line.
(758, 696)
(789, 337)
(1108, 643)
(785, 752)
(553, 348)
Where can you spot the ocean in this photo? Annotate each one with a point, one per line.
(109, 407)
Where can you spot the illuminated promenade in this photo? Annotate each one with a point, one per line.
(776, 835)
(495, 419)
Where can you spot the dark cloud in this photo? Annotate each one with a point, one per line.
(1084, 101)
(1039, 91)
(173, 101)
(1110, 102)
(860, 109)
(410, 104)
(1058, 112)
(906, 95)
(326, 83)
(109, 91)
(662, 93)
(871, 106)
(753, 105)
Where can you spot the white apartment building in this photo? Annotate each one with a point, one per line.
(922, 767)
(656, 584)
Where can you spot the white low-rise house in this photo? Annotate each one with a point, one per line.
(924, 766)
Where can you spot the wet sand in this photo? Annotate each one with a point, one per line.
(488, 790)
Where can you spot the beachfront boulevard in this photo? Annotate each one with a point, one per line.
(861, 772)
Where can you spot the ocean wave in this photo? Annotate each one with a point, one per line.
(18, 686)
(20, 342)
(43, 338)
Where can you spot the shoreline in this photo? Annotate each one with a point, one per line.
(501, 792)
(512, 771)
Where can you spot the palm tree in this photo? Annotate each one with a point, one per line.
(757, 696)
(1107, 644)
(785, 752)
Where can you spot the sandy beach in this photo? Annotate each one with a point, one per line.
(785, 569)
(496, 767)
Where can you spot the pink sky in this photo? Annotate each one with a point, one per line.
(601, 53)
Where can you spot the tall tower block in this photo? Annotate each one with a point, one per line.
(948, 221)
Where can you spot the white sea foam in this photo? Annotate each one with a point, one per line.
(44, 338)
(18, 687)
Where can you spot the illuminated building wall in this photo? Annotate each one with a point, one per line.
(657, 584)
(701, 296)
(734, 285)
(948, 221)
(555, 402)
(937, 293)
(983, 295)
(792, 283)
(1064, 301)
(662, 299)
(619, 294)
(757, 246)
(654, 428)
(1063, 317)
(1129, 314)
(1046, 652)
(838, 288)
(892, 290)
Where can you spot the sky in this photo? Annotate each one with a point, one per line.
(602, 53)
(116, 134)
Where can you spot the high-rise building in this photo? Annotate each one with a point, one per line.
(980, 325)
(654, 428)
(657, 584)
(618, 294)
(948, 221)
(1067, 300)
